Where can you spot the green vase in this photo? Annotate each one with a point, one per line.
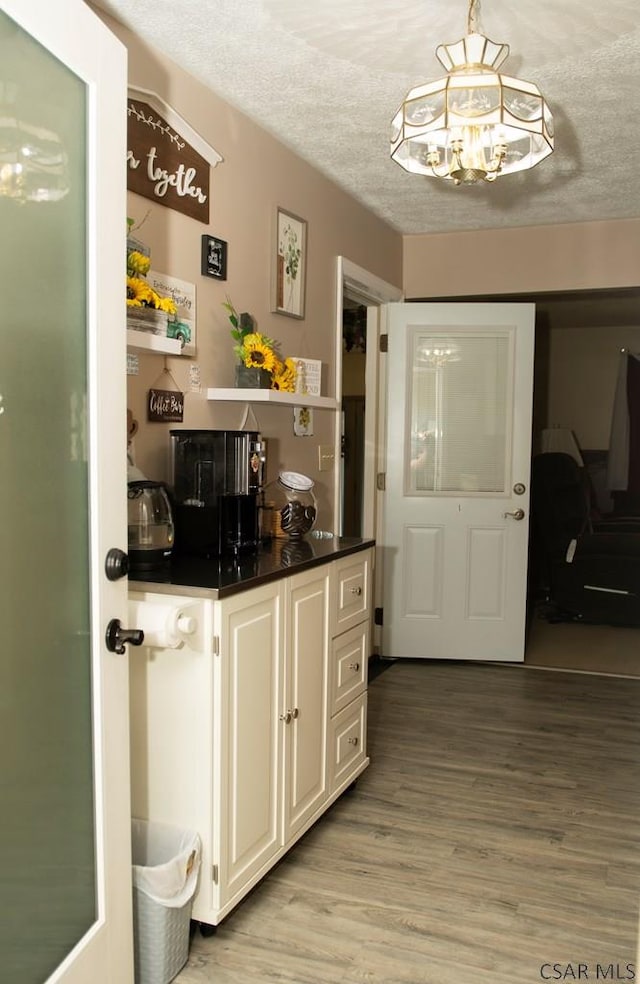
(252, 378)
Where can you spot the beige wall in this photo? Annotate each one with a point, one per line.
(578, 256)
(582, 377)
(256, 175)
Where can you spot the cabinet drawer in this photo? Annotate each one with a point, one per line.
(348, 672)
(351, 591)
(347, 740)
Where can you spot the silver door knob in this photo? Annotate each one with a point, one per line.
(516, 514)
(356, 591)
(354, 666)
(286, 717)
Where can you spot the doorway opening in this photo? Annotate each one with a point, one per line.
(354, 353)
(579, 335)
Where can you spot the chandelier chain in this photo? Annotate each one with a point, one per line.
(472, 19)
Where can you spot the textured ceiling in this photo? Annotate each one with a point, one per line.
(326, 78)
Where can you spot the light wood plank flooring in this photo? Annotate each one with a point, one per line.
(496, 830)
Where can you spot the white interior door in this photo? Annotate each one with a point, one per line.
(65, 890)
(456, 506)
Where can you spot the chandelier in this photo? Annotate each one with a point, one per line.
(475, 124)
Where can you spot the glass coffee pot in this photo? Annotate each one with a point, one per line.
(149, 523)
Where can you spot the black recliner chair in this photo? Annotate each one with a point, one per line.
(586, 569)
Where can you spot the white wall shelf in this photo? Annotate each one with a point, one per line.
(273, 396)
(146, 341)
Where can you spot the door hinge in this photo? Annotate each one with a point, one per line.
(215, 645)
(381, 481)
(214, 873)
(384, 343)
(377, 616)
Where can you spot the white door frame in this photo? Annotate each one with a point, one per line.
(375, 293)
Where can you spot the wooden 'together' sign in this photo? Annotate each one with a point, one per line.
(162, 165)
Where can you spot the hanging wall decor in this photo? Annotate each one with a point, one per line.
(167, 161)
(182, 324)
(289, 265)
(165, 406)
(214, 258)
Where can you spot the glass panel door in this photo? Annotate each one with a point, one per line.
(48, 893)
(460, 411)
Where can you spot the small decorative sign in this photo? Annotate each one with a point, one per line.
(165, 406)
(167, 161)
(183, 294)
(308, 375)
(303, 422)
(214, 258)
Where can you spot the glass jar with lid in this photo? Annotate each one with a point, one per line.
(293, 504)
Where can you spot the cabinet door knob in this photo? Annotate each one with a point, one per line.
(356, 591)
(295, 713)
(354, 666)
(352, 741)
(286, 717)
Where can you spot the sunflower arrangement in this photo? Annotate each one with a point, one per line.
(139, 293)
(283, 376)
(257, 351)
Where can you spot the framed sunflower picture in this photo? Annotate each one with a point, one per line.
(289, 265)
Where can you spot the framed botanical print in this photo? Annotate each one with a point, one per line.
(289, 265)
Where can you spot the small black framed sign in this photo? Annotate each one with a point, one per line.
(214, 258)
(165, 406)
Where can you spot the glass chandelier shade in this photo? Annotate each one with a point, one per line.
(476, 123)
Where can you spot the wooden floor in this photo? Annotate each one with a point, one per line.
(496, 830)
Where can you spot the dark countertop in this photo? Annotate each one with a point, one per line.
(220, 577)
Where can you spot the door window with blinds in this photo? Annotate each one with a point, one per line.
(460, 411)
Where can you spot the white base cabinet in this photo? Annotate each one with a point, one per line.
(255, 722)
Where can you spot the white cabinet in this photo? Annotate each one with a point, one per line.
(306, 663)
(350, 620)
(247, 768)
(250, 728)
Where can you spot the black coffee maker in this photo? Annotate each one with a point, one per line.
(217, 482)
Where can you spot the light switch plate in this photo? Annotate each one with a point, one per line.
(326, 457)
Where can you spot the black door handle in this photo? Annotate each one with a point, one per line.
(116, 637)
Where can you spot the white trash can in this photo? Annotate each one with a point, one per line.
(166, 861)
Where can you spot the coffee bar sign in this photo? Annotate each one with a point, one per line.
(167, 161)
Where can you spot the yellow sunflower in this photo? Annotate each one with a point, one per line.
(138, 292)
(257, 353)
(284, 376)
(165, 304)
(137, 263)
